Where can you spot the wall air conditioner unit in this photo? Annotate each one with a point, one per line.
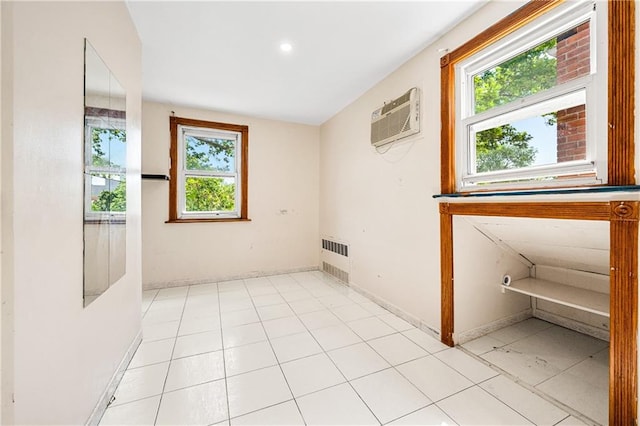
(396, 119)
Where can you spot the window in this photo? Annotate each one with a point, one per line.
(526, 106)
(208, 171)
(105, 165)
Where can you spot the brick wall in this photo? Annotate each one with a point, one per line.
(572, 61)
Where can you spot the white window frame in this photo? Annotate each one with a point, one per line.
(89, 169)
(592, 87)
(183, 173)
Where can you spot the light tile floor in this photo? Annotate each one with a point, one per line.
(300, 349)
(568, 366)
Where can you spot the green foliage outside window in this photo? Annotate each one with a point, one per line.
(99, 157)
(116, 199)
(533, 71)
(111, 201)
(209, 194)
(209, 153)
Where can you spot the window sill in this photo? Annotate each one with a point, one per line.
(105, 221)
(554, 191)
(203, 220)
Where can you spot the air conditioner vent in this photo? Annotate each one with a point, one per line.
(394, 104)
(396, 119)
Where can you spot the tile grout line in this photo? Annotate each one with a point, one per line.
(521, 338)
(473, 383)
(263, 368)
(530, 388)
(110, 404)
(175, 339)
(296, 315)
(257, 369)
(224, 358)
(326, 352)
(429, 354)
(337, 368)
(342, 322)
(403, 376)
(321, 348)
(391, 366)
(153, 299)
(316, 298)
(147, 365)
(571, 366)
(329, 309)
(276, 356)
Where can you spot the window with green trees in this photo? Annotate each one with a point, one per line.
(105, 167)
(208, 170)
(524, 103)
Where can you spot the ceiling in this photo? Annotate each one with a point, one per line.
(226, 56)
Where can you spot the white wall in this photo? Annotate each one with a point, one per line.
(573, 252)
(61, 355)
(381, 204)
(283, 206)
(582, 245)
(478, 267)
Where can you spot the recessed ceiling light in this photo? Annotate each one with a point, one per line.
(286, 47)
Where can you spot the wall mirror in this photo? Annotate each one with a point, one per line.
(105, 171)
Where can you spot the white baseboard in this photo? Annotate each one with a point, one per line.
(106, 396)
(416, 322)
(465, 336)
(461, 338)
(589, 330)
(179, 283)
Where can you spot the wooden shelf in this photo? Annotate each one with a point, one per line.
(154, 177)
(575, 297)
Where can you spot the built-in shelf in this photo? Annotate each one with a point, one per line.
(575, 297)
(154, 177)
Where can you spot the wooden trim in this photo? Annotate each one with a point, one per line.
(502, 28)
(174, 122)
(173, 169)
(446, 276)
(623, 355)
(209, 219)
(623, 216)
(244, 173)
(621, 87)
(540, 210)
(209, 124)
(447, 129)
(621, 100)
